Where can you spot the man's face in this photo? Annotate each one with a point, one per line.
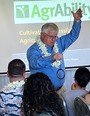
(48, 38)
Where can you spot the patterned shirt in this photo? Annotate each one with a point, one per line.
(10, 101)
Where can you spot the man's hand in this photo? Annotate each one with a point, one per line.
(57, 56)
(77, 15)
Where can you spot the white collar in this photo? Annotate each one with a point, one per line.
(45, 52)
(13, 85)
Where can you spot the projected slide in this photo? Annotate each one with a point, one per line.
(21, 21)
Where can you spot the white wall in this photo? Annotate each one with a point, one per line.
(69, 79)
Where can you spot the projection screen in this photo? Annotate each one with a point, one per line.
(21, 21)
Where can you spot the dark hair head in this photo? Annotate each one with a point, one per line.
(38, 94)
(16, 68)
(82, 76)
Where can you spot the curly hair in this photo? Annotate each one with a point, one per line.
(39, 95)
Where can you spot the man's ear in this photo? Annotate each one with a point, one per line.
(8, 74)
(73, 86)
(24, 75)
(75, 81)
(42, 35)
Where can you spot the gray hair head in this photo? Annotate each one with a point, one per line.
(50, 27)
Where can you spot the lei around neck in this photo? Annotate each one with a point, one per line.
(45, 52)
(13, 85)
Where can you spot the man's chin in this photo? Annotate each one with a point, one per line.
(51, 45)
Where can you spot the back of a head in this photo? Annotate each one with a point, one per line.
(82, 76)
(36, 85)
(16, 68)
(39, 84)
(39, 93)
(50, 27)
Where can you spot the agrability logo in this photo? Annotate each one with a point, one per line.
(22, 11)
(49, 11)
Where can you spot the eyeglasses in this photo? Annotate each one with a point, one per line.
(50, 36)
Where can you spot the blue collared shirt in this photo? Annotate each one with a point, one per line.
(38, 63)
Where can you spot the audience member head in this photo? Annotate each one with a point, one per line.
(39, 94)
(82, 76)
(16, 69)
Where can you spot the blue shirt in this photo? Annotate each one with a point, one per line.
(38, 63)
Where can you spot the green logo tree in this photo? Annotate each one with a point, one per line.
(22, 11)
